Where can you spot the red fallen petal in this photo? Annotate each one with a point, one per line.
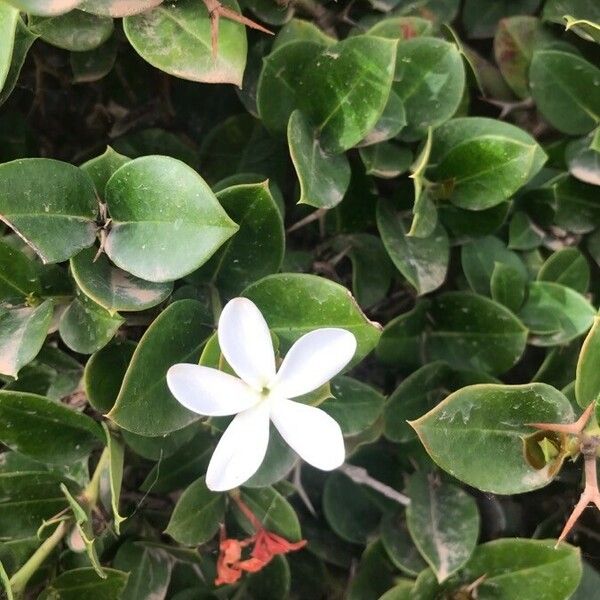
(252, 565)
(269, 544)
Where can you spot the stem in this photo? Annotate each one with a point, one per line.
(215, 302)
(360, 476)
(92, 490)
(19, 580)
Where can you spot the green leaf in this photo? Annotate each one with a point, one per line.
(166, 221)
(27, 498)
(430, 80)
(349, 509)
(277, 464)
(44, 430)
(279, 90)
(472, 332)
(476, 434)
(422, 261)
(149, 571)
(479, 259)
(402, 28)
(355, 405)
(76, 30)
(523, 234)
(45, 7)
(514, 568)
(400, 547)
(297, 30)
(69, 585)
(587, 381)
(514, 43)
(104, 372)
(159, 447)
(443, 522)
(567, 266)
(22, 334)
(23, 40)
(588, 584)
(50, 204)
(116, 459)
(9, 18)
(480, 21)
(483, 161)
(564, 88)
(273, 510)
(555, 314)
(508, 286)
(112, 288)
(272, 582)
(323, 177)
(294, 304)
(257, 248)
(386, 160)
(390, 123)
(188, 54)
(197, 515)
(85, 326)
(101, 168)
(577, 206)
(374, 575)
(583, 159)
(145, 405)
(19, 275)
(348, 86)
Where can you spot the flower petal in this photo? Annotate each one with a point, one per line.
(246, 342)
(240, 450)
(313, 360)
(311, 432)
(208, 391)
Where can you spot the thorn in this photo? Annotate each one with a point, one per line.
(574, 428)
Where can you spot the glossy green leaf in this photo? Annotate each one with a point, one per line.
(166, 222)
(9, 18)
(298, 30)
(402, 28)
(69, 585)
(566, 90)
(256, 250)
(44, 430)
(386, 160)
(568, 267)
(423, 261)
(472, 332)
(188, 54)
(489, 420)
(101, 168)
(112, 288)
(323, 177)
(294, 304)
(577, 205)
(145, 405)
(273, 510)
(23, 40)
(104, 372)
(587, 382)
(508, 286)
(159, 447)
(430, 80)
(114, 473)
(443, 522)
(76, 30)
(483, 161)
(272, 582)
(197, 515)
(349, 85)
(149, 571)
(399, 545)
(479, 259)
(22, 334)
(50, 204)
(85, 326)
(523, 233)
(555, 314)
(278, 92)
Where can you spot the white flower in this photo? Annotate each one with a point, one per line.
(262, 394)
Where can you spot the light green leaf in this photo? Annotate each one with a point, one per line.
(443, 522)
(197, 515)
(166, 221)
(188, 54)
(112, 288)
(423, 261)
(9, 18)
(49, 203)
(566, 90)
(114, 473)
(508, 286)
(101, 168)
(67, 437)
(145, 405)
(294, 304)
(483, 161)
(567, 266)
(22, 334)
(587, 381)
(476, 434)
(76, 30)
(323, 177)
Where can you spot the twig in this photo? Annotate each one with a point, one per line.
(297, 481)
(362, 477)
(314, 216)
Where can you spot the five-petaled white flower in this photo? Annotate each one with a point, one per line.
(263, 394)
